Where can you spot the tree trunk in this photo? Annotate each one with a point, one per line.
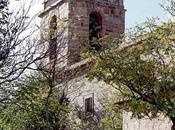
(173, 127)
(173, 121)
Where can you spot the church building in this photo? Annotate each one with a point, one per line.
(63, 23)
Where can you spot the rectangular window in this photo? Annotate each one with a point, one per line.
(89, 105)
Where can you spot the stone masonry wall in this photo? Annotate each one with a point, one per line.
(80, 88)
(76, 14)
(61, 11)
(130, 123)
(113, 16)
(113, 21)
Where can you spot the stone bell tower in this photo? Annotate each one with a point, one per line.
(67, 19)
(65, 24)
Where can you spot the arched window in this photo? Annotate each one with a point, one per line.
(53, 24)
(95, 28)
(53, 38)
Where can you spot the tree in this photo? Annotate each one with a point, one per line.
(26, 110)
(18, 53)
(112, 118)
(143, 71)
(109, 117)
(18, 50)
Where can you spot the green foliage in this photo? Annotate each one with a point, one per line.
(82, 120)
(112, 120)
(26, 111)
(109, 118)
(144, 67)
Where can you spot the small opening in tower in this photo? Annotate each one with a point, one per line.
(89, 106)
(53, 25)
(53, 38)
(95, 28)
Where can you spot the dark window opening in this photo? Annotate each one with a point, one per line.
(52, 48)
(89, 106)
(53, 23)
(112, 11)
(53, 38)
(118, 2)
(95, 28)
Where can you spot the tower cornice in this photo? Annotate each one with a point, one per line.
(50, 6)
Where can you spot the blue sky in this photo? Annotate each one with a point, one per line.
(139, 10)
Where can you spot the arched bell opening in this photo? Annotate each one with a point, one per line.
(95, 28)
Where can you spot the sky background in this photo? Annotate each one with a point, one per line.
(137, 10)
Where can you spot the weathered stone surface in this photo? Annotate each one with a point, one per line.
(75, 14)
(160, 123)
(81, 88)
